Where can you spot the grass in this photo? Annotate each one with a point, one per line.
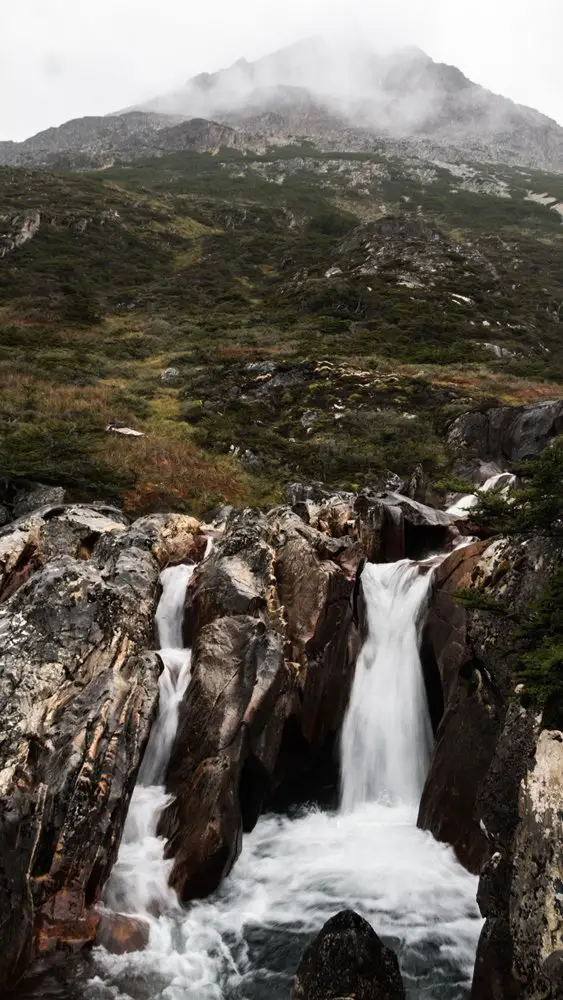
(176, 262)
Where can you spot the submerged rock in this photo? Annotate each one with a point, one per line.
(120, 933)
(347, 960)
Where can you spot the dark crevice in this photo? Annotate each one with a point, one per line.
(304, 778)
(432, 681)
(425, 540)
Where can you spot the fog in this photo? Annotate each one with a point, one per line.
(61, 59)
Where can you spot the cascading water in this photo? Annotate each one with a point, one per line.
(387, 734)
(245, 941)
(139, 880)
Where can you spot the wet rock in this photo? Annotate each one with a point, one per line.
(121, 934)
(77, 698)
(237, 677)
(490, 441)
(392, 526)
(347, 959)
(274, 649)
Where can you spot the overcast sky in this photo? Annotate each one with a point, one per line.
(62, 59)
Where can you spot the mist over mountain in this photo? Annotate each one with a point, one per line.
(345, 98)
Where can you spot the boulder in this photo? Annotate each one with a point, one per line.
(172, 538)
(391, 526)
(26, 501)
(78, 694)
(348, 960)
(490, 441)
(238, 675)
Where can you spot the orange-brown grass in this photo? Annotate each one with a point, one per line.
(173, 474)
(22, 393)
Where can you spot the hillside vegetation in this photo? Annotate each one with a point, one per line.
(326, 315)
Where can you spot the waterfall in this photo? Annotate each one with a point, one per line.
(501, 483)
(139, 880)
(387, 734)
(245, 941)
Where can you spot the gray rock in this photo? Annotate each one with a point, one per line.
(77, 698)
(78, 693)
(170, 375)
(42, 496)
(5, 516)
(491, 441)
(260, 367)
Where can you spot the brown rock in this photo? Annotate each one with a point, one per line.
(272, 663)
(121, 934)
(472, 720)
(238, 673)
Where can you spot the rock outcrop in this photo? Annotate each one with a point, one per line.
(520, 888)
(78, 693)
(491, 441)
(347, 960)
(472, 651)
(495, 787)
(275, 646)
(388, 525)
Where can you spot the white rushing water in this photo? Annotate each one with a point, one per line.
(387, 733)
(139, 880)
(501, 483)
(245, 941)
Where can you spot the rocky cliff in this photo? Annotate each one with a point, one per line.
(275, 618)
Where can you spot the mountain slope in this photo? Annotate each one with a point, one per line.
(316, 315)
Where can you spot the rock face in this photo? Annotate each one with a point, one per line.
(520, 888)
(489, 442)
(347, 960)
(272, 665)
(472, 652)
(78, 693)
(495, 789)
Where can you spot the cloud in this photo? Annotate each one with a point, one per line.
(68, 58)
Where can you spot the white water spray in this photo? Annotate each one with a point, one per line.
(139, 880)
(387, 734)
